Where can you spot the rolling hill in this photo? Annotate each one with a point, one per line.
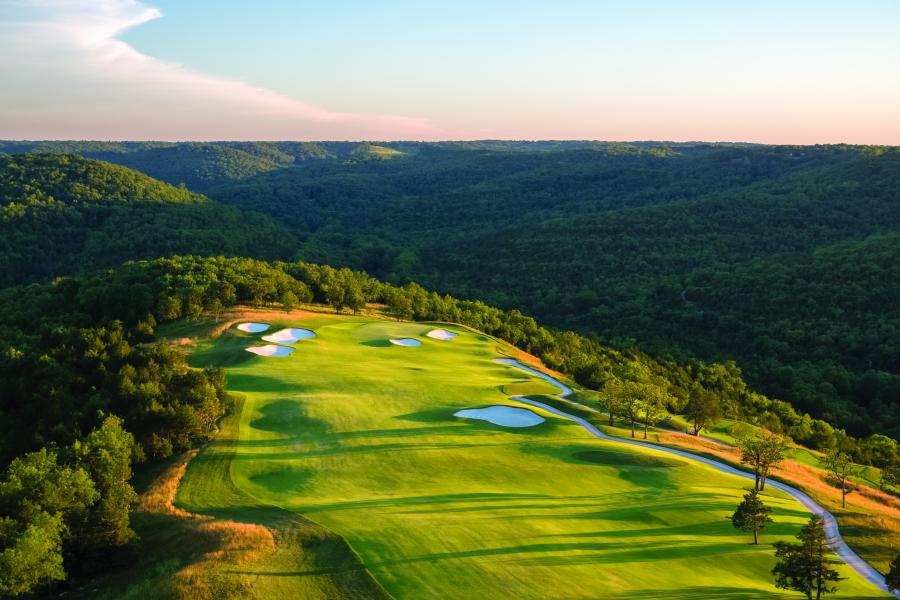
(624, 242)
(63, 214)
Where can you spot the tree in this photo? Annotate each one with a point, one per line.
(890, 474)
(356, 300)
(215, 307)
(840, 467)
(30, 558)
(751, 514)
(106, 454)
(653, 402)
(400, 305)
(805, 567)
(892, 579)
(289, 300)
(612, 397)
(624, 397)
(39, 498)
(702, 408)
(762, 451)
(336, 295)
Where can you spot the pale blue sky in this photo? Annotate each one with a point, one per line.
(789, 71)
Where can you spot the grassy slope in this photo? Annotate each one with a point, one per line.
(358, 436)
(870, 523)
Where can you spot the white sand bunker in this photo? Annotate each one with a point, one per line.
(253, 327)
(270, 350)
(441, 334)
(508, 416)
(405, 342)
(289, 336)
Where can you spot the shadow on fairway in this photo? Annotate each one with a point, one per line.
(430, 415)
(376, 344)
(283, 480)
(286, 417)
(241, 381)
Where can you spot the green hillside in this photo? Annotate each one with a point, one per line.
(202, 165)
(653, 246)
(62, 214)
(623, 241)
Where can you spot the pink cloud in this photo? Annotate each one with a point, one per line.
(91, 84)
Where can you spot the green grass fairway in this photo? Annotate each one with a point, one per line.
(358, 436)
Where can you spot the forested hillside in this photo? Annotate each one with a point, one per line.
(62, 214)
(681, 249)
(778, 257)
(199, 165)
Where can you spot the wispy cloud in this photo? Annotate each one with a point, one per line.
(67, 75)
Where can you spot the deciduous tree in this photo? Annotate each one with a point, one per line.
(890, 475)
(841, 468)
(106, 454)
(762, 451)
(702, 408)
(653, 402)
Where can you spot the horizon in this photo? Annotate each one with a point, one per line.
(803, 74)
(440, 141)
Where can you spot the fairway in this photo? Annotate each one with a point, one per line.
(358, 435)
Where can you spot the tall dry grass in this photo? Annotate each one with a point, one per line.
(233, 543)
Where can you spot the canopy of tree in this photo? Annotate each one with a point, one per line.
(62, 214)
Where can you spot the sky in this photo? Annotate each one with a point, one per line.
(796, 72)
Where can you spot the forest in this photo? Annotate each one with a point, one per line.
(780, 258)
(62, 214)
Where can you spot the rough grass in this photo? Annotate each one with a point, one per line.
(355, 436)
(185, 555)
(179, 554)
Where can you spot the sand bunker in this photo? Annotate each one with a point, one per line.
(270, 350)
(441, 334)
(405, 342)
(508, 416)
(253, 327)
(289, 336)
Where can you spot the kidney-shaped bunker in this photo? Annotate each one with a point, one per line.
(441, 334)
(253, 327)
(508, 416)
(270, 350)
(405, 342)
(289, 336)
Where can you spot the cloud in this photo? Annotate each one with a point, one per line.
(67, 75)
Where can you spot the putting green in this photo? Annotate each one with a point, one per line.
(358, 435)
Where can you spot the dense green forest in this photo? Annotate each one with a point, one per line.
(200, 166)
(778, 257)
(64, 214)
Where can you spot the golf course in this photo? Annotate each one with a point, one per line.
(405, 477)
